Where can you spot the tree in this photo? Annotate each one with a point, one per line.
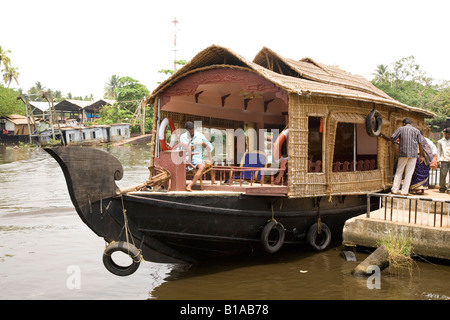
(410, 85)
(129, 94)
(9, 103)
(170, 71)
(4, 57)
(381, 74)
(130, 89)
(10, 74)
(111, 86)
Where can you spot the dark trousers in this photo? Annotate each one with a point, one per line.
(444, 169)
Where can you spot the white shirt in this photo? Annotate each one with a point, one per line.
(432, 146)
(443, 150)
(196, 141)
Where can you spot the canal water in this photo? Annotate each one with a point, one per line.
(46, 252)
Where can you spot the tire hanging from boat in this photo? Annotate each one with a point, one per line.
(282, 137)
(374, 119)
(162, 134)
(278, 228)
(127, 248)
(319, 236)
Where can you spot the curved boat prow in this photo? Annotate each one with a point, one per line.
(90, 174)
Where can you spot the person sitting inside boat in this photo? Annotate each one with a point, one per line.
(197, 141)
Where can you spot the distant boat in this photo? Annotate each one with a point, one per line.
(305, 138)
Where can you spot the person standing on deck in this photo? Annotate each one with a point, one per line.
(419, 181)
(197, 141)
(409, 138)
(443, 156)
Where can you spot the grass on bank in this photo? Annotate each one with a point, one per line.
(399, 249)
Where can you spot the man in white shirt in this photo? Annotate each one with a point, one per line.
(443, 156)
(196, 141)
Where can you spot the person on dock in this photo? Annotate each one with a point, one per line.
(420, 178)
(409, 140)
(197, 141)
(443, 156)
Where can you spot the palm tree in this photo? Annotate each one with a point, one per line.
(111, 86)
(9, 74)
(4, 57)
(381, 74)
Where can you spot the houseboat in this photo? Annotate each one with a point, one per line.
(88, 135)
(295, 149)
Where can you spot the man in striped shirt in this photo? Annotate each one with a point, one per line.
(409, 140)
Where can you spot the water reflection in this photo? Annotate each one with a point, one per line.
(299, 276)
(41, 236)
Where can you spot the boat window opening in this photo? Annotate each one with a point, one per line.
(354, 150)
(315, 141)
(242, 154)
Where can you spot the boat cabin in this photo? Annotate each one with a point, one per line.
(282, 127)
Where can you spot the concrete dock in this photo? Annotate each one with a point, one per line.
(423, 218)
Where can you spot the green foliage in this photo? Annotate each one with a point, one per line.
(114, 114)
(407, 83)
(130, 89)
(171, 71)
(9, 103)
(128, 94)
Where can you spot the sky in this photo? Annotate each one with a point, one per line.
(77, 45)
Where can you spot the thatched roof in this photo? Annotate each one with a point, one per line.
(303, 77)
(307, 68)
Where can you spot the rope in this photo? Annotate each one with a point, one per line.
(273, 215)
(319, 226)
(127, 229)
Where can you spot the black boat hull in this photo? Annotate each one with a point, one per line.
(180, 227)
(208, 226)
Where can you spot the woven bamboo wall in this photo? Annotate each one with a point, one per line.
(303, 183)
(333, 111)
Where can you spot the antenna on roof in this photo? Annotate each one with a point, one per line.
(175, 21)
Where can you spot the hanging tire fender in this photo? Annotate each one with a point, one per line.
(127, 248)
(374, 123)
(272, 225)
(318, 239)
